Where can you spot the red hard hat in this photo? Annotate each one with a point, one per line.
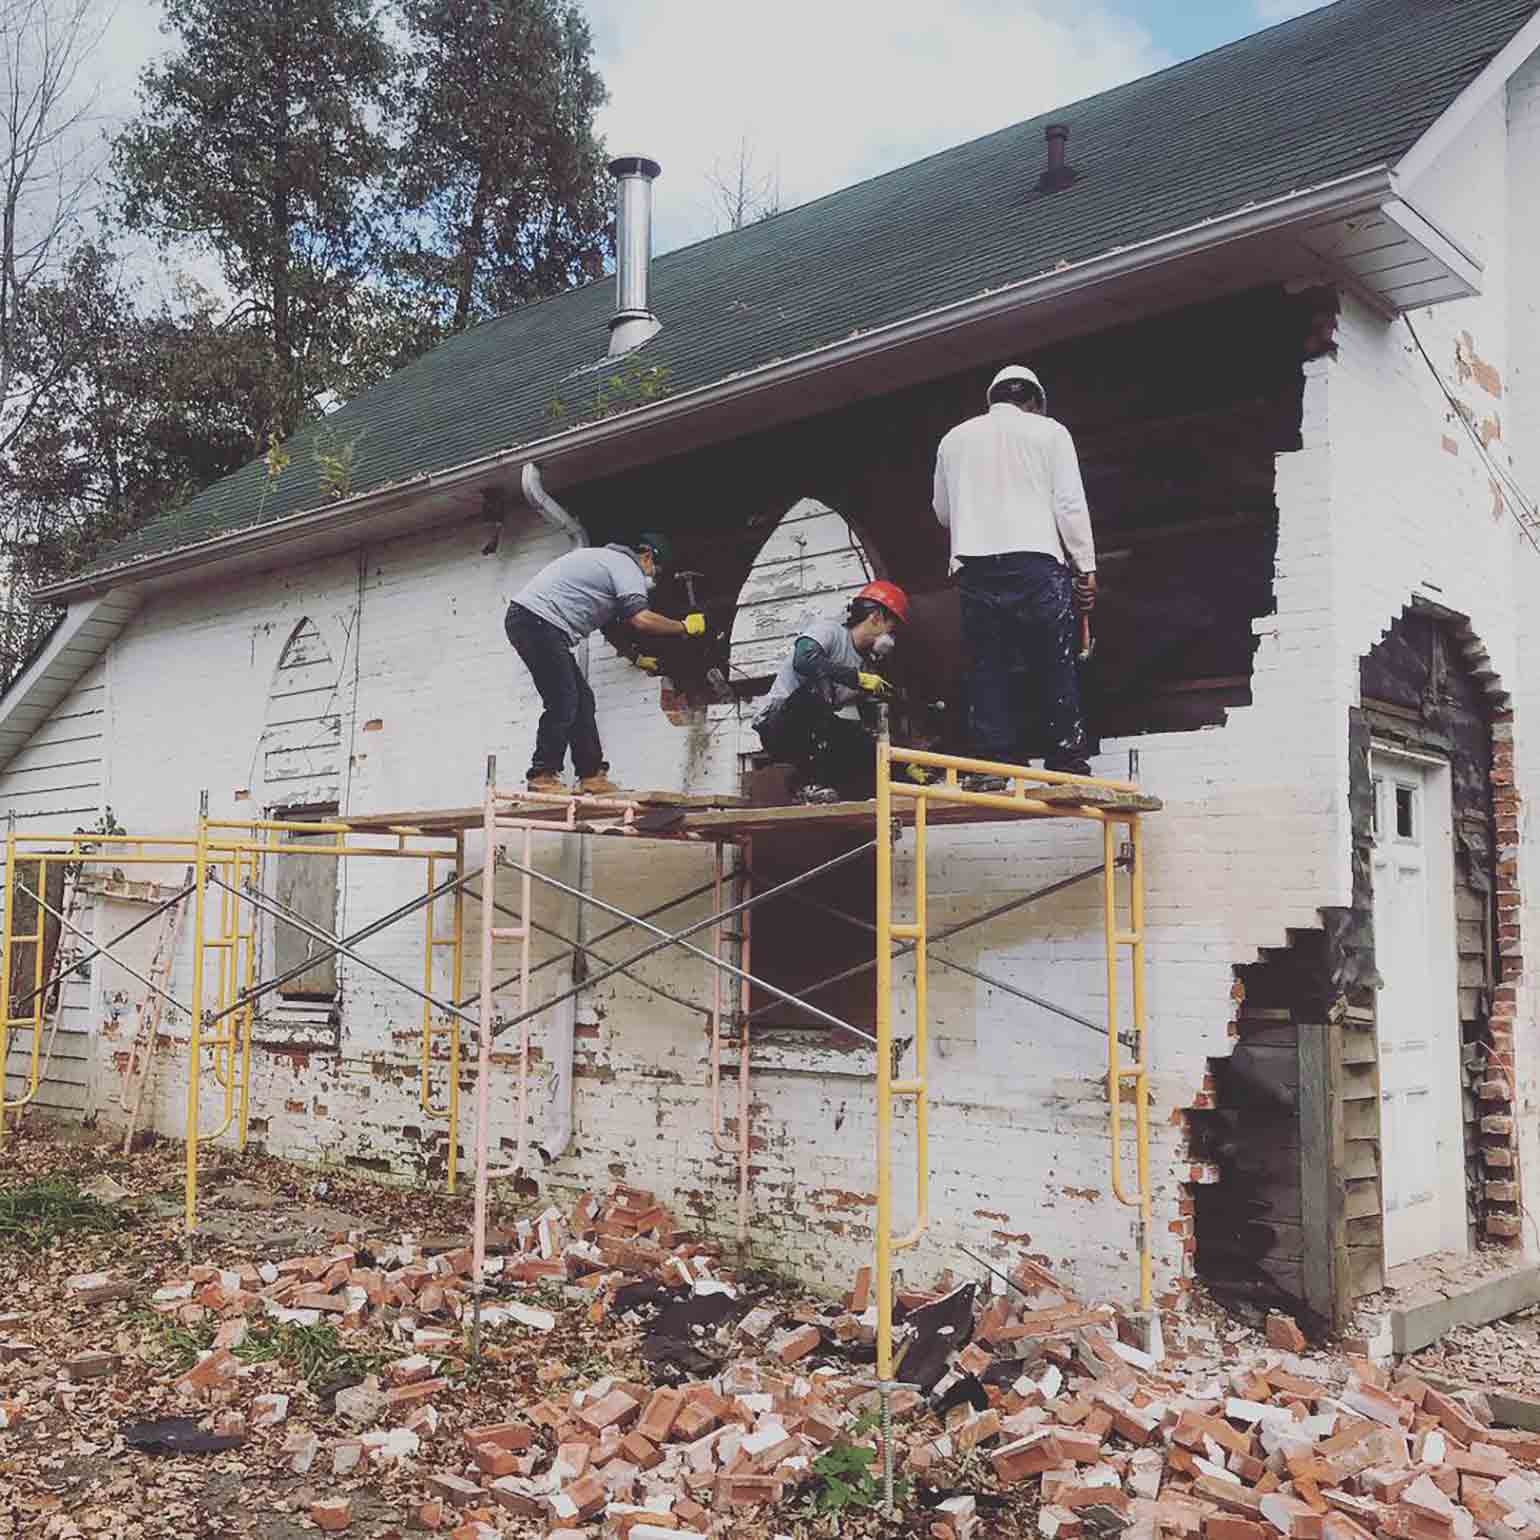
(889, 595)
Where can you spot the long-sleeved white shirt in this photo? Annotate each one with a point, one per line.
(1009, 480)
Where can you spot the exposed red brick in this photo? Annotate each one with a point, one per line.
(514, 1436)
(331, 1513)
(412, 1395)
(657, 1421)
(1283, 1333)
(617, 1409)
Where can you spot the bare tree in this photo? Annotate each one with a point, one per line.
(49, 159)
(741, 194)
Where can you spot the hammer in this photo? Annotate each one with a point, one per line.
(714, 676)
(688, 579)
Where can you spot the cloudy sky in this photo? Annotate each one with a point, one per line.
(826, 92)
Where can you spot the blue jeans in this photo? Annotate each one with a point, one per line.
(1018, 627)
(568, 718)
(828, 749)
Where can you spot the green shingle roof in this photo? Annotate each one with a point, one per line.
(1339, 90)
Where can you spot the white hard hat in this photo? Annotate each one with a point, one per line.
(1018, 372)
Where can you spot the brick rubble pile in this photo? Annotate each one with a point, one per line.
(730, 1399)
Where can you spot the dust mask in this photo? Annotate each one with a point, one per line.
(884, 645)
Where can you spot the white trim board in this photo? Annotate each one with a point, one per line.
(1461, 112)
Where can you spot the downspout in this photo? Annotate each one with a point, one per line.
(577, 873)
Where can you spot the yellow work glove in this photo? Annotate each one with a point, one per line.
(874, 684)
(695, 625)
(646, 664)
(918, 774)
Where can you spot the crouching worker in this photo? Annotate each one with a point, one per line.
(831, 666)
(576, 595)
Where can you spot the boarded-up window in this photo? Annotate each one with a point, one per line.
(811, 564)
(24, 916)
(307, 885)
(302, 739)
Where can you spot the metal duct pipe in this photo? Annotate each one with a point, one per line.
(561, 1033)
(633, 322)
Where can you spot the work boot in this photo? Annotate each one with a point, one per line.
(598, 785)
(546, 781)
(989, 783)
(818, 795)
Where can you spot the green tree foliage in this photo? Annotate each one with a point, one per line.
(360, 202)
(261, 139)
(501, 194)
(132, 409)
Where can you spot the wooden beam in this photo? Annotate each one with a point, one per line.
(1322, 1151)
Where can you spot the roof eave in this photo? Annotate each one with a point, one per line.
(1447, 127)
(571, 455)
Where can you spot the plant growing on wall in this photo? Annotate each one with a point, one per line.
(275, 462)
(335, 464)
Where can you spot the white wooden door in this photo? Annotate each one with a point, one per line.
(1417, 1014)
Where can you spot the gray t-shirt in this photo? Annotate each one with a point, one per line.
(586, 590)
(834, 637)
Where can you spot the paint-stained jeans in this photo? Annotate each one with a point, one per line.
(568, 718)
(828, 749)
(1018, 627)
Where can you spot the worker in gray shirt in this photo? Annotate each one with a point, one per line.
(576, 595)
(830, 667)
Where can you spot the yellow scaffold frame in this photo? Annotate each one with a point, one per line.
(1116, 937)
(226, 859)
(78, 850)
(241, 847)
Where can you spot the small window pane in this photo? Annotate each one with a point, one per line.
(1405, 812)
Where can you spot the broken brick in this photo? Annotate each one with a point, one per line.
(218, 1368)
(860, 1291)
(640, 1451)
(657, 1420)
(1283, 1332)
(580, 1501)
(90, 1366)
(514, 1436)
(455, 1489)
(790, 1346)
(331, 1513)
(617, 1409)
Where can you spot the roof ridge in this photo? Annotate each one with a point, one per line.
(1012, 127)
(1305, 101)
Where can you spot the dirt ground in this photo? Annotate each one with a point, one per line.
(65, 1469)
(104, 1311)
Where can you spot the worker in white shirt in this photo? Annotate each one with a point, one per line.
(1008, 489)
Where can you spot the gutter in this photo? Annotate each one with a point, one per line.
(1358, 193)
(577, 873)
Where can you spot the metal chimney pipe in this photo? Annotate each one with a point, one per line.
(1057, 173)
(633, 322)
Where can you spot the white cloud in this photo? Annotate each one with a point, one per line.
(825, 91)
(830, 91)
(1270, 11)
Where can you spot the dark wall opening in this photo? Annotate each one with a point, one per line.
(1177, 420)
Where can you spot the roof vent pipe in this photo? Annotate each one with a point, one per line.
(1057, 174)
(633, 322)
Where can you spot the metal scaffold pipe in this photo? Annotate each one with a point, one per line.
(677, 938)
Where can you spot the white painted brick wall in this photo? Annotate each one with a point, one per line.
(1522, 431)
(1253, 839)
